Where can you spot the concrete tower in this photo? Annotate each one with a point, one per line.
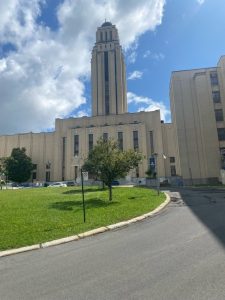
(109, 93)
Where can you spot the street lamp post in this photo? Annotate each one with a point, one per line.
(78, 164)
(1, 179)
(157, 176)
(82, 185)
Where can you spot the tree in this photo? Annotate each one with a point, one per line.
(18, 166)
(2, 171)
(107, 162)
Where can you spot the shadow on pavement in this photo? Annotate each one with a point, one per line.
(207, 204)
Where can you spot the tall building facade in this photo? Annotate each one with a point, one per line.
(192, 147)
(108, 73)
(198, 109)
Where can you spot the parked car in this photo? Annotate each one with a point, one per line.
(70, 183)
(115, 182)
(25, 185)
(57, 184)
(13, 184)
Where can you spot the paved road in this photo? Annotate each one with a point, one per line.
(178, 254)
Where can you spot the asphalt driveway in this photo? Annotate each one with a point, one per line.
(178, 254)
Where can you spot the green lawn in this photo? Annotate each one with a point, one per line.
(31, 216)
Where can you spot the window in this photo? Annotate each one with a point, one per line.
(110, 35)
(105, 137)
(172, 159)
(48, 165)
(151, 142)
(106, 65)
(173, 170)
(221, 134)
(214, 78)
(216, 96)
(76, 144)
(135, 139)
(222, 157)
(90, 141)
(34, 175)
(101, 36)
(47, 176)
(34, 166)
(219, 115)
(120, 140)
(106, 36)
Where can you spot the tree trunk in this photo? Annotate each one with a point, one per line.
(110, 193)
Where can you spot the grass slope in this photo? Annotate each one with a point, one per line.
(31, 216)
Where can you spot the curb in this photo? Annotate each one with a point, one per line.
(87, 233)
(19, 250)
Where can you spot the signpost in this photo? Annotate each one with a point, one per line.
(84, 177)
(153, 168)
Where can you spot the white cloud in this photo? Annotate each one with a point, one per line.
(131, 52)
(148, 104)
(200, 2)
(43, 77)
(135, 75)
(131, 57)
(155, 56)
(81, 113)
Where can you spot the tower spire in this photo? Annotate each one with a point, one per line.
(108, 74)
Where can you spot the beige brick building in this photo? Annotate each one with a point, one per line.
(198, 106)
(189, 146)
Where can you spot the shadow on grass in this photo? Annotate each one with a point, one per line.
(89, 203)
(88, 190)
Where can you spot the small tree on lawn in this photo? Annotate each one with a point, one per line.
(2, 171)
(107, 162)
(18, 166)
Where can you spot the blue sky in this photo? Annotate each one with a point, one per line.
(45, 51)
(190, 37)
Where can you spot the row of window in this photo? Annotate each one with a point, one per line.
(105, 138)
(120, 145)
(215, 82)
(105, 46)
(47, 166)
(217, 99)
(47, 176)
